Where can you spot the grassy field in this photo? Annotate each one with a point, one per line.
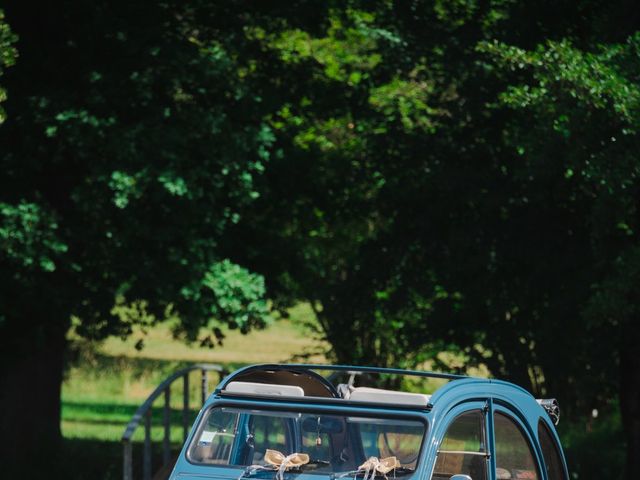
(106, 383)
(279, 342)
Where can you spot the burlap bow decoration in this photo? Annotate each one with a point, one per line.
(282, 462)
(375, 465)
(276, 460)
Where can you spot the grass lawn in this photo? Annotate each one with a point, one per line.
(277, 343)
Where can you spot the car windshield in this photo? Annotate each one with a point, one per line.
(330, 444)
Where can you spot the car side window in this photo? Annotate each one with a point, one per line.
(555, 470)
(514, 455)
(463, 448)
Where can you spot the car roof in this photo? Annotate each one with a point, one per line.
(319, 389)
(315, 385)
(292, 386)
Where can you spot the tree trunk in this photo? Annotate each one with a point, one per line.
(31, 369)
(630, 396)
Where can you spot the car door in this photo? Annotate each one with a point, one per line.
(463, 448)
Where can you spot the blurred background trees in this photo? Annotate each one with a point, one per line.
(429, 176)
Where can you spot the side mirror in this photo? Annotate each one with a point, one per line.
(460, 477)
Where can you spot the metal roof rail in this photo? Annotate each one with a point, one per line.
(349, 369)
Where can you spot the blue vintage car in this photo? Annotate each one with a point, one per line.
(280, 422)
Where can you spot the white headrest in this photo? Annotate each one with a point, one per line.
(265, 389)
(377, 395)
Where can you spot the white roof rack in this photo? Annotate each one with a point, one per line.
(265, 389)
(378, 395)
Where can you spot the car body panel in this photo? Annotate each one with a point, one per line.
(459, 395)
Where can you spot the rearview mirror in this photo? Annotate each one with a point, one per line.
(329, 425)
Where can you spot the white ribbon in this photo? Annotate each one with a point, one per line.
(277, 461)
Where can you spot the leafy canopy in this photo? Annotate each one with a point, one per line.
(122, 170)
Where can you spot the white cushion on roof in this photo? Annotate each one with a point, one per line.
(378, 395)
(265, 389)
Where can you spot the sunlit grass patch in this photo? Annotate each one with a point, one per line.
(106, 383)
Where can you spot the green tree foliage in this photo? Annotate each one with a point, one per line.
(387, 123)
(324, 203)
(7, 55)
(581, 108)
